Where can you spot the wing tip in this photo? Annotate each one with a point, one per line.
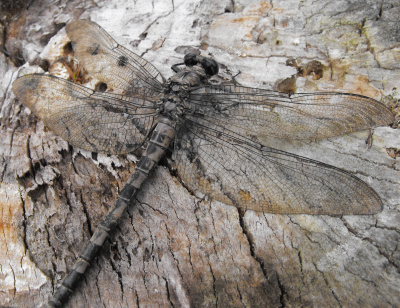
(389, 117)
(24, 85)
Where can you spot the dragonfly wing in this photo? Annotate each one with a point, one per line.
(238, 171)
(98, 122)
(110, 62)
(258, 113)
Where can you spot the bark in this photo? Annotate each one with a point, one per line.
(173, 247)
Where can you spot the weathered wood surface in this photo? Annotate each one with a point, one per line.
(173, 248)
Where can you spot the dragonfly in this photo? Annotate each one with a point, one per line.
(215, 131)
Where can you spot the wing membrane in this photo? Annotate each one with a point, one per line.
(98, 122)
(238, 171)
(259, 113)
(111, 63)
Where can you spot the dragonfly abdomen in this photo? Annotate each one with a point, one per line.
(163, 134)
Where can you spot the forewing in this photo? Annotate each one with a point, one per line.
(259, 113)
(111, 63)
(237, 171)
(98, 122)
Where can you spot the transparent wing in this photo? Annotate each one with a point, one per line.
(259, 113)
(111, 63)
(238, 171)
(98, 122)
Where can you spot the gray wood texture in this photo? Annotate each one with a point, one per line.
(174, 248)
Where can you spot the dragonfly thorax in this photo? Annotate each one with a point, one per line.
(173, 104)
(195, 73)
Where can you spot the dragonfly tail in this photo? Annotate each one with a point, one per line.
(159, 142)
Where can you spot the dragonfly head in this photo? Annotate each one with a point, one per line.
(209, 64)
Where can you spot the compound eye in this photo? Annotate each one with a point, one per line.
(210, 66)
(190, 59)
